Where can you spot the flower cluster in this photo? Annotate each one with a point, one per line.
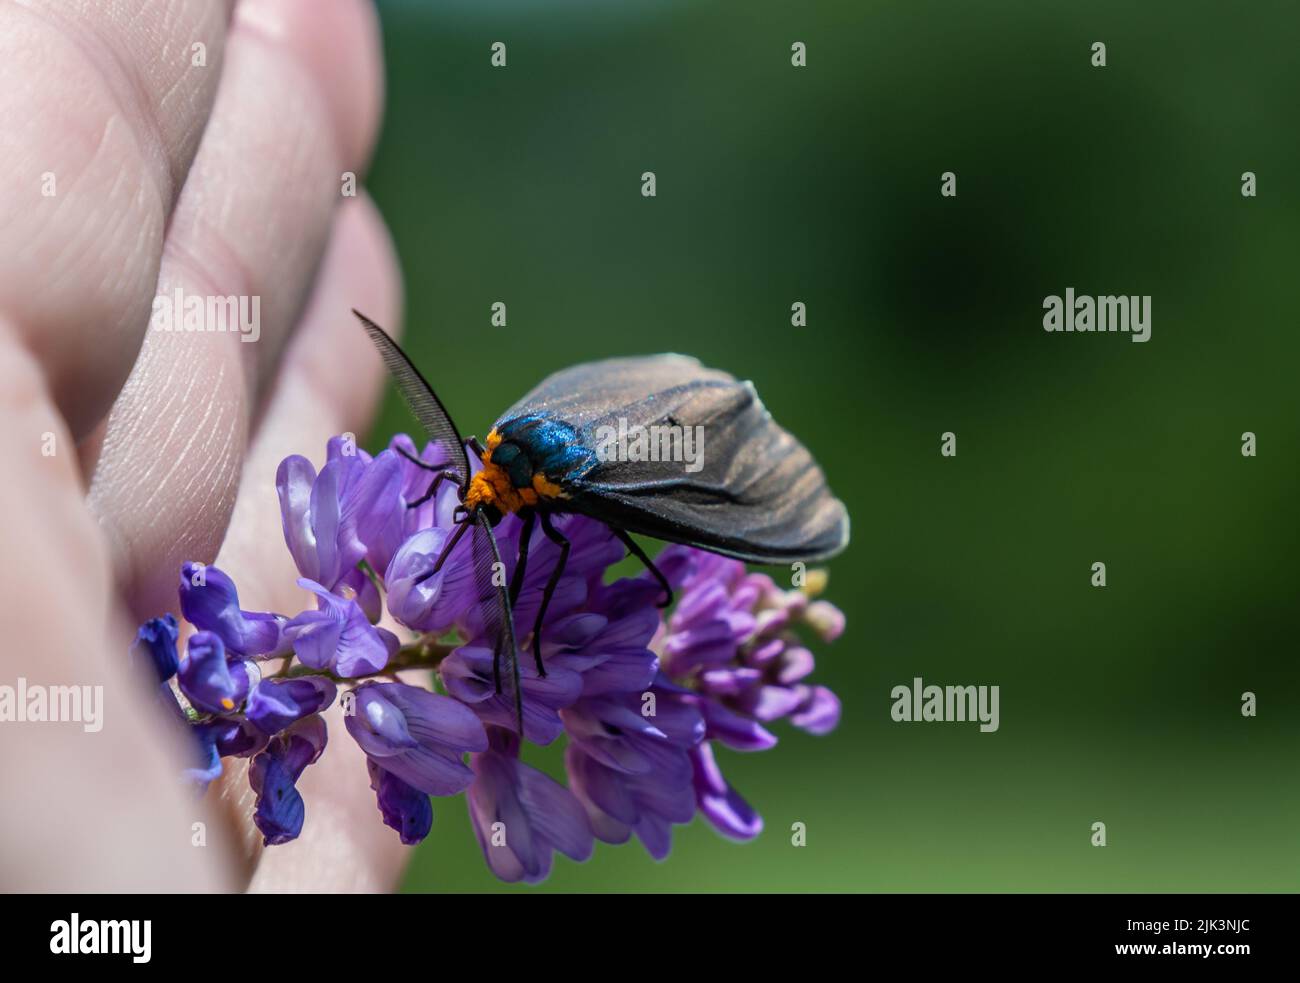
(642, 700)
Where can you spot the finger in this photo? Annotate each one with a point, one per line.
(328, 384)
(93, 804)
(250, 225)
(103, 106)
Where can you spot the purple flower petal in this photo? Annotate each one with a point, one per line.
(765, 653)
(372, 512)
(356, 586)
(339, 636)
(656, 834)
(826, 619)
(607, 791)
(237, 738)
(381, 727)
(336, 553)
(468, 676)
(206, 755)
(207, 679)
(274, 774)
(521, 816)
(430, 603)
(796, 663)
(442, 729)
(678, 564)
(711, 643)
(556, 815)
(769, 703)
(570, 635)
(619, 804)
(722, 805)
(274, 704)
(155, 645)
(729, 681)
(210, 602)
(737, 732)
(626, 671)
(293, 483)
(405, 809)
(331, 517)
(819, 711)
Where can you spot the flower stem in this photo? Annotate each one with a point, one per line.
(424, 653)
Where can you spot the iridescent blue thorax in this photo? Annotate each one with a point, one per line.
(549, 447)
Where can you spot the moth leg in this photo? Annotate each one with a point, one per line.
(526, 534)
(433, 489)
(639, 553)
(446, 551)
(556, 537)
(417, 462)
(476, 446)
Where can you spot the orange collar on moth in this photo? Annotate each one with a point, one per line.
(492, 486)
(547, 488)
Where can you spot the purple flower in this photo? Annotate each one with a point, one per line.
(646, 804)
(732, 647)
(413, 485)
(155, 644)
(338, 636)
(722, 805)
(467, 675)
(212, 682)
(274, 775)
(631, 732)
(592, 549)
(629, 763)
(733, 637)
(207, 758)
(737, 731)
(608, 641)
(330, 518)
(404, 808)
(216, 739)
(210, 602)
(416, 735)
(275, 704)
(711, 619)
(236, 738)
(644, 704)
(521, 816)
(818, 712)
(425, 601)
(825, 619)
(595, 639)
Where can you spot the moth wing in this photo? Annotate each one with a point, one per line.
(587, 395)
(757, 495)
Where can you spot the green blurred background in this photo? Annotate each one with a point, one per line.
(821, 184)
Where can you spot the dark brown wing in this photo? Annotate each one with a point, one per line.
(758, 495)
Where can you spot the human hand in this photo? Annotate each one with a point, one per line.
(139, 164)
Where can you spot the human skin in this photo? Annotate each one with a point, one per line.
(223, 179)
